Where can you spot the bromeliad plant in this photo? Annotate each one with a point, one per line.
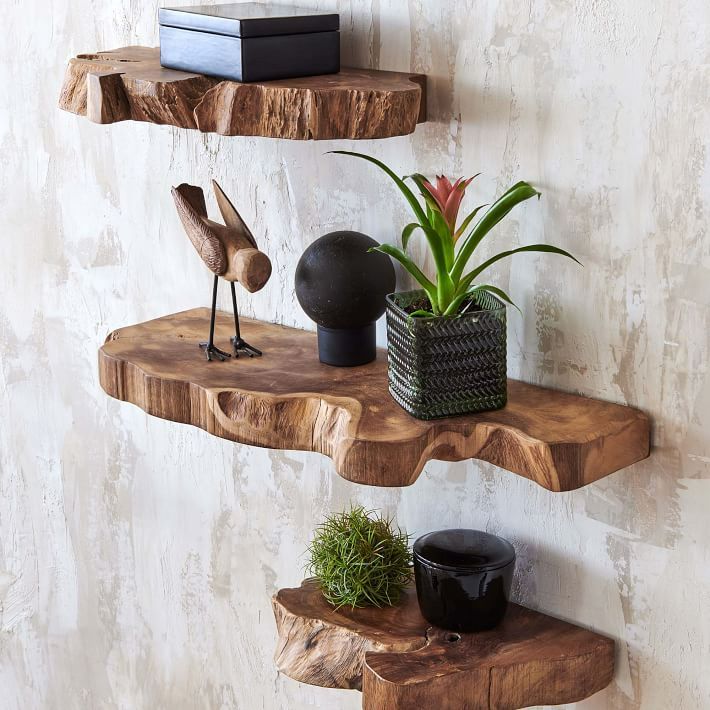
(449, 242)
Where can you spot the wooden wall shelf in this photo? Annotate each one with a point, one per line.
(289, 400)
(401, 662)
(129, 84)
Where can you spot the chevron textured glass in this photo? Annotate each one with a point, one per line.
(440, 367)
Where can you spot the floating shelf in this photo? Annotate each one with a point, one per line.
(129, 84)
(401, 662)
(289, 400)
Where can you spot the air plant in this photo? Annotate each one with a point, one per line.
(451, 243)
(360, 559)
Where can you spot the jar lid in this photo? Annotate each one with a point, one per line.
(470, 550)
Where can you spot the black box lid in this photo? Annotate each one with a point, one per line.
(251, 19)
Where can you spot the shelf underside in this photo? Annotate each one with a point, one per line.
(129, 84)
(289, 400)
(400, 662)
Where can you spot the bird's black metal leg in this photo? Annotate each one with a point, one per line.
(240, 345)
(211, 351)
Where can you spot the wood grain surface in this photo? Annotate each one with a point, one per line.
(129, 84)
(228, 250)
(289, 400)
(401, 662)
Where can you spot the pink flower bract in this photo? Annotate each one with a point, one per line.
(448, 197)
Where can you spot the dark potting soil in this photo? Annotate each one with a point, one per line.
(423, 304)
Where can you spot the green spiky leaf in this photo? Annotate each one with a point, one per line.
(419, 276)
(467, 280)
(465, 224)
(500, 293)
(407, 233)
(498, 211)
(456, 304)
(408, 194)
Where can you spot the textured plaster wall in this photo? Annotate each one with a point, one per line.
(137, 557)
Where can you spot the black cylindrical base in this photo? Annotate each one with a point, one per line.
(347, 347)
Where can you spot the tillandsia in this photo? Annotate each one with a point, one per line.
(360, 559)
(453, 243)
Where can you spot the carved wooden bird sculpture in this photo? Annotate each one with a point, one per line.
(229, 250)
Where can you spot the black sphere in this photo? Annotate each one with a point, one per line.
(340, 283)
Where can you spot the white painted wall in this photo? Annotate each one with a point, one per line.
(137, 557)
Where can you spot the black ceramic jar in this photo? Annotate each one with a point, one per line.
(463, 578)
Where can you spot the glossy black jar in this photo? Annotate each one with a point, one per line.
(463, 578)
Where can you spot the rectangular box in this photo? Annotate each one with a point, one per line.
(249, 41)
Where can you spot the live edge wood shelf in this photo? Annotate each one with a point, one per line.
(400, 662)
(289, 400)
(129, 84)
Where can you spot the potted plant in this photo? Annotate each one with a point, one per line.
(447, 340)
(360, 559)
